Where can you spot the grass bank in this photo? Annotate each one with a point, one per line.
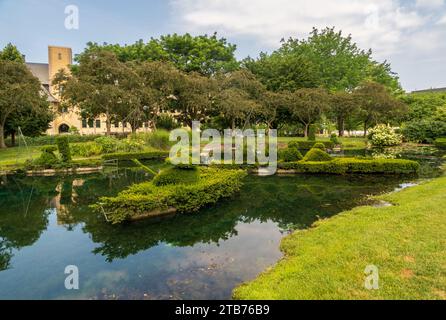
(406, 242)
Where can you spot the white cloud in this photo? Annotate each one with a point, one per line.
(429, 3)
(381, 25)
(442, 20)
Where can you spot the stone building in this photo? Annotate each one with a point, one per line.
(67, 120)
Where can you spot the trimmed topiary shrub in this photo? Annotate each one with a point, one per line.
(63, 145)
(320, 146)
(312, 132)
(317, 155)
(47, 159)
(334, 139)
(290, 155)
(176, 176)
(352, 165)
(148, 200)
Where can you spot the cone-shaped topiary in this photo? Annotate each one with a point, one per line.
(317, 155)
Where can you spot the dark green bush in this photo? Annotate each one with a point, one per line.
(128, 156)
(334, 139)
(352, 165)
(107, 144)
(176, 176)
(290, 155)
(425, 131)
(166, 122)
(320, 146)
(440, 143)
(63, 145)
(146, 198)
(312, 132)
(316, 155)
(46, 160)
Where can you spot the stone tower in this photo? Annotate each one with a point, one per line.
(58, 58)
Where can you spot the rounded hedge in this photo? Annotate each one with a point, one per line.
(320, 146)
(317, 155)
(290, 155)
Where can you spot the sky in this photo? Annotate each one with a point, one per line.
(411, 35)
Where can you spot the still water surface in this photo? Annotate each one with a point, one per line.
(46, 224)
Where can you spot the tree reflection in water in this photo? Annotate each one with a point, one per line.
(292, 202)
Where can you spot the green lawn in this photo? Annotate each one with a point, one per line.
(13, 157)
(406, 242)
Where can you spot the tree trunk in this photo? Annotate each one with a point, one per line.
(2, 137)
(108, 123)
(307, 127)
(365, 129)
(13, 138)
(341, 126)
(233, 124)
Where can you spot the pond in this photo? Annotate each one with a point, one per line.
(46, 225)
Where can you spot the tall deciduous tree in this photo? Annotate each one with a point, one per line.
(308, 105)
(239, 97)
(377, 104)
(99, 85)
(19, 90)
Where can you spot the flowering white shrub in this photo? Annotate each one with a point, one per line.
(384, 136)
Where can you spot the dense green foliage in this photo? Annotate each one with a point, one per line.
(426, 120)
(128, 156)
(316, 154)
(440, 143)
(290, 155)
(63, 146)
(204, 54)
(86, 149)
(353, 165)
(143, 199)
(20, 92)
(158, 139)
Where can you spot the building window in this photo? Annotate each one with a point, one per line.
(84, 123)
(98, 123)
(90, 123)
(116, 124)
(124, 124)
(59, 55)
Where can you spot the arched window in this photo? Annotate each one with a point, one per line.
(63, 128)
